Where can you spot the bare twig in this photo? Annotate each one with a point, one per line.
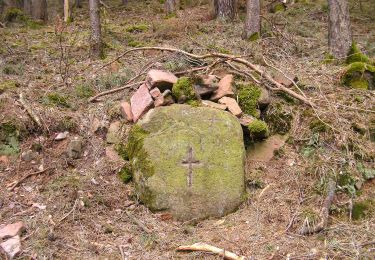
(324, 214)
(211, 249)
(138, 223)
(30, 111)
(115, 90)
(243, 72)
(15, 184)
(70, 212)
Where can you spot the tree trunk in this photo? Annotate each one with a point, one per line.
(225, 9)
(39, 9)
(96, 35)
(78, 4)
(124, 2)
(27, 6)
(171, 6)
(67, 16)
(339, 34)
(252, 20)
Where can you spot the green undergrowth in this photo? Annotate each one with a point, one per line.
(125, 174)
(279, 118)
(8, 85)
(137, 28)
(9, 139)
(57, 100)
(363, 209)
(16, 15)
(355, 55)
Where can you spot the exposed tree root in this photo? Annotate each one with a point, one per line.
(324, 214)
(211, 249)
(226, 57)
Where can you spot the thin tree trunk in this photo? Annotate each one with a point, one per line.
(67, 16)
(252, 20)
(225, 9)
(39, 9)
(125, 2)
(171, 6)
(96, 35)
(339, 34)
(78, 4)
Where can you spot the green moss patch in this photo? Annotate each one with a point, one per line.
(248, 96)
(355, 55)
(258, 129)
(317, 125)
(183, 90)
(136, 153)
(279, 118)
(279, 7)
(359, 75)
(84, 91)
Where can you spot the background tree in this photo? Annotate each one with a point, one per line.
(78, 3)
(96, 34)
(37, 9)
(124, 2)
(252, 20)
(171, 6)
(67, 12)
(339, 34)
(225, 9)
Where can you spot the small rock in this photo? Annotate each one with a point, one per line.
(245, 120)
(75, 148)
(359, 183)
(224, 88)
(155, 92)
(141, 102)
(208, 103)
(209, 80)
(232, 105)
(11, 230)
(159, 101)
(29, 155)
(264, 99)
(12, 246)
(204, 91)
(126, 111)
(61, 136)
(160, 79)
(114, 133)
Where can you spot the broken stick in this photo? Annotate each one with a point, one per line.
(211, 249)
(324, 214)
(31, 113)
(115, 90)
(15, 184)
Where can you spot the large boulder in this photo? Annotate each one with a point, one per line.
(188, 161)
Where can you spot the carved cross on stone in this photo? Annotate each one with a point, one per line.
(189, 162)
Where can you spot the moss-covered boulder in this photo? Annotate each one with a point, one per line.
(188, 161)
(359, 75)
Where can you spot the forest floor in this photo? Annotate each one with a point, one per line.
(77, 208)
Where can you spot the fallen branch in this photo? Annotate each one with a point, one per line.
(115, 90)
(279, 87)
(324, 214)
(138, 223)
(70, 212)
(15, 184)
(30, 111)
(211, 249)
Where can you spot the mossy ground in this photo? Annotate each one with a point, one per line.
(183, 90)
(258, 129)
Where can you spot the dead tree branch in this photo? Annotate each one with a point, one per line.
(138, 223)
(260, 71)
(324, 214)
(115, 90)
(211, 249)
(30, 111)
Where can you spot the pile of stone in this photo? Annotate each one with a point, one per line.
(209, 92)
